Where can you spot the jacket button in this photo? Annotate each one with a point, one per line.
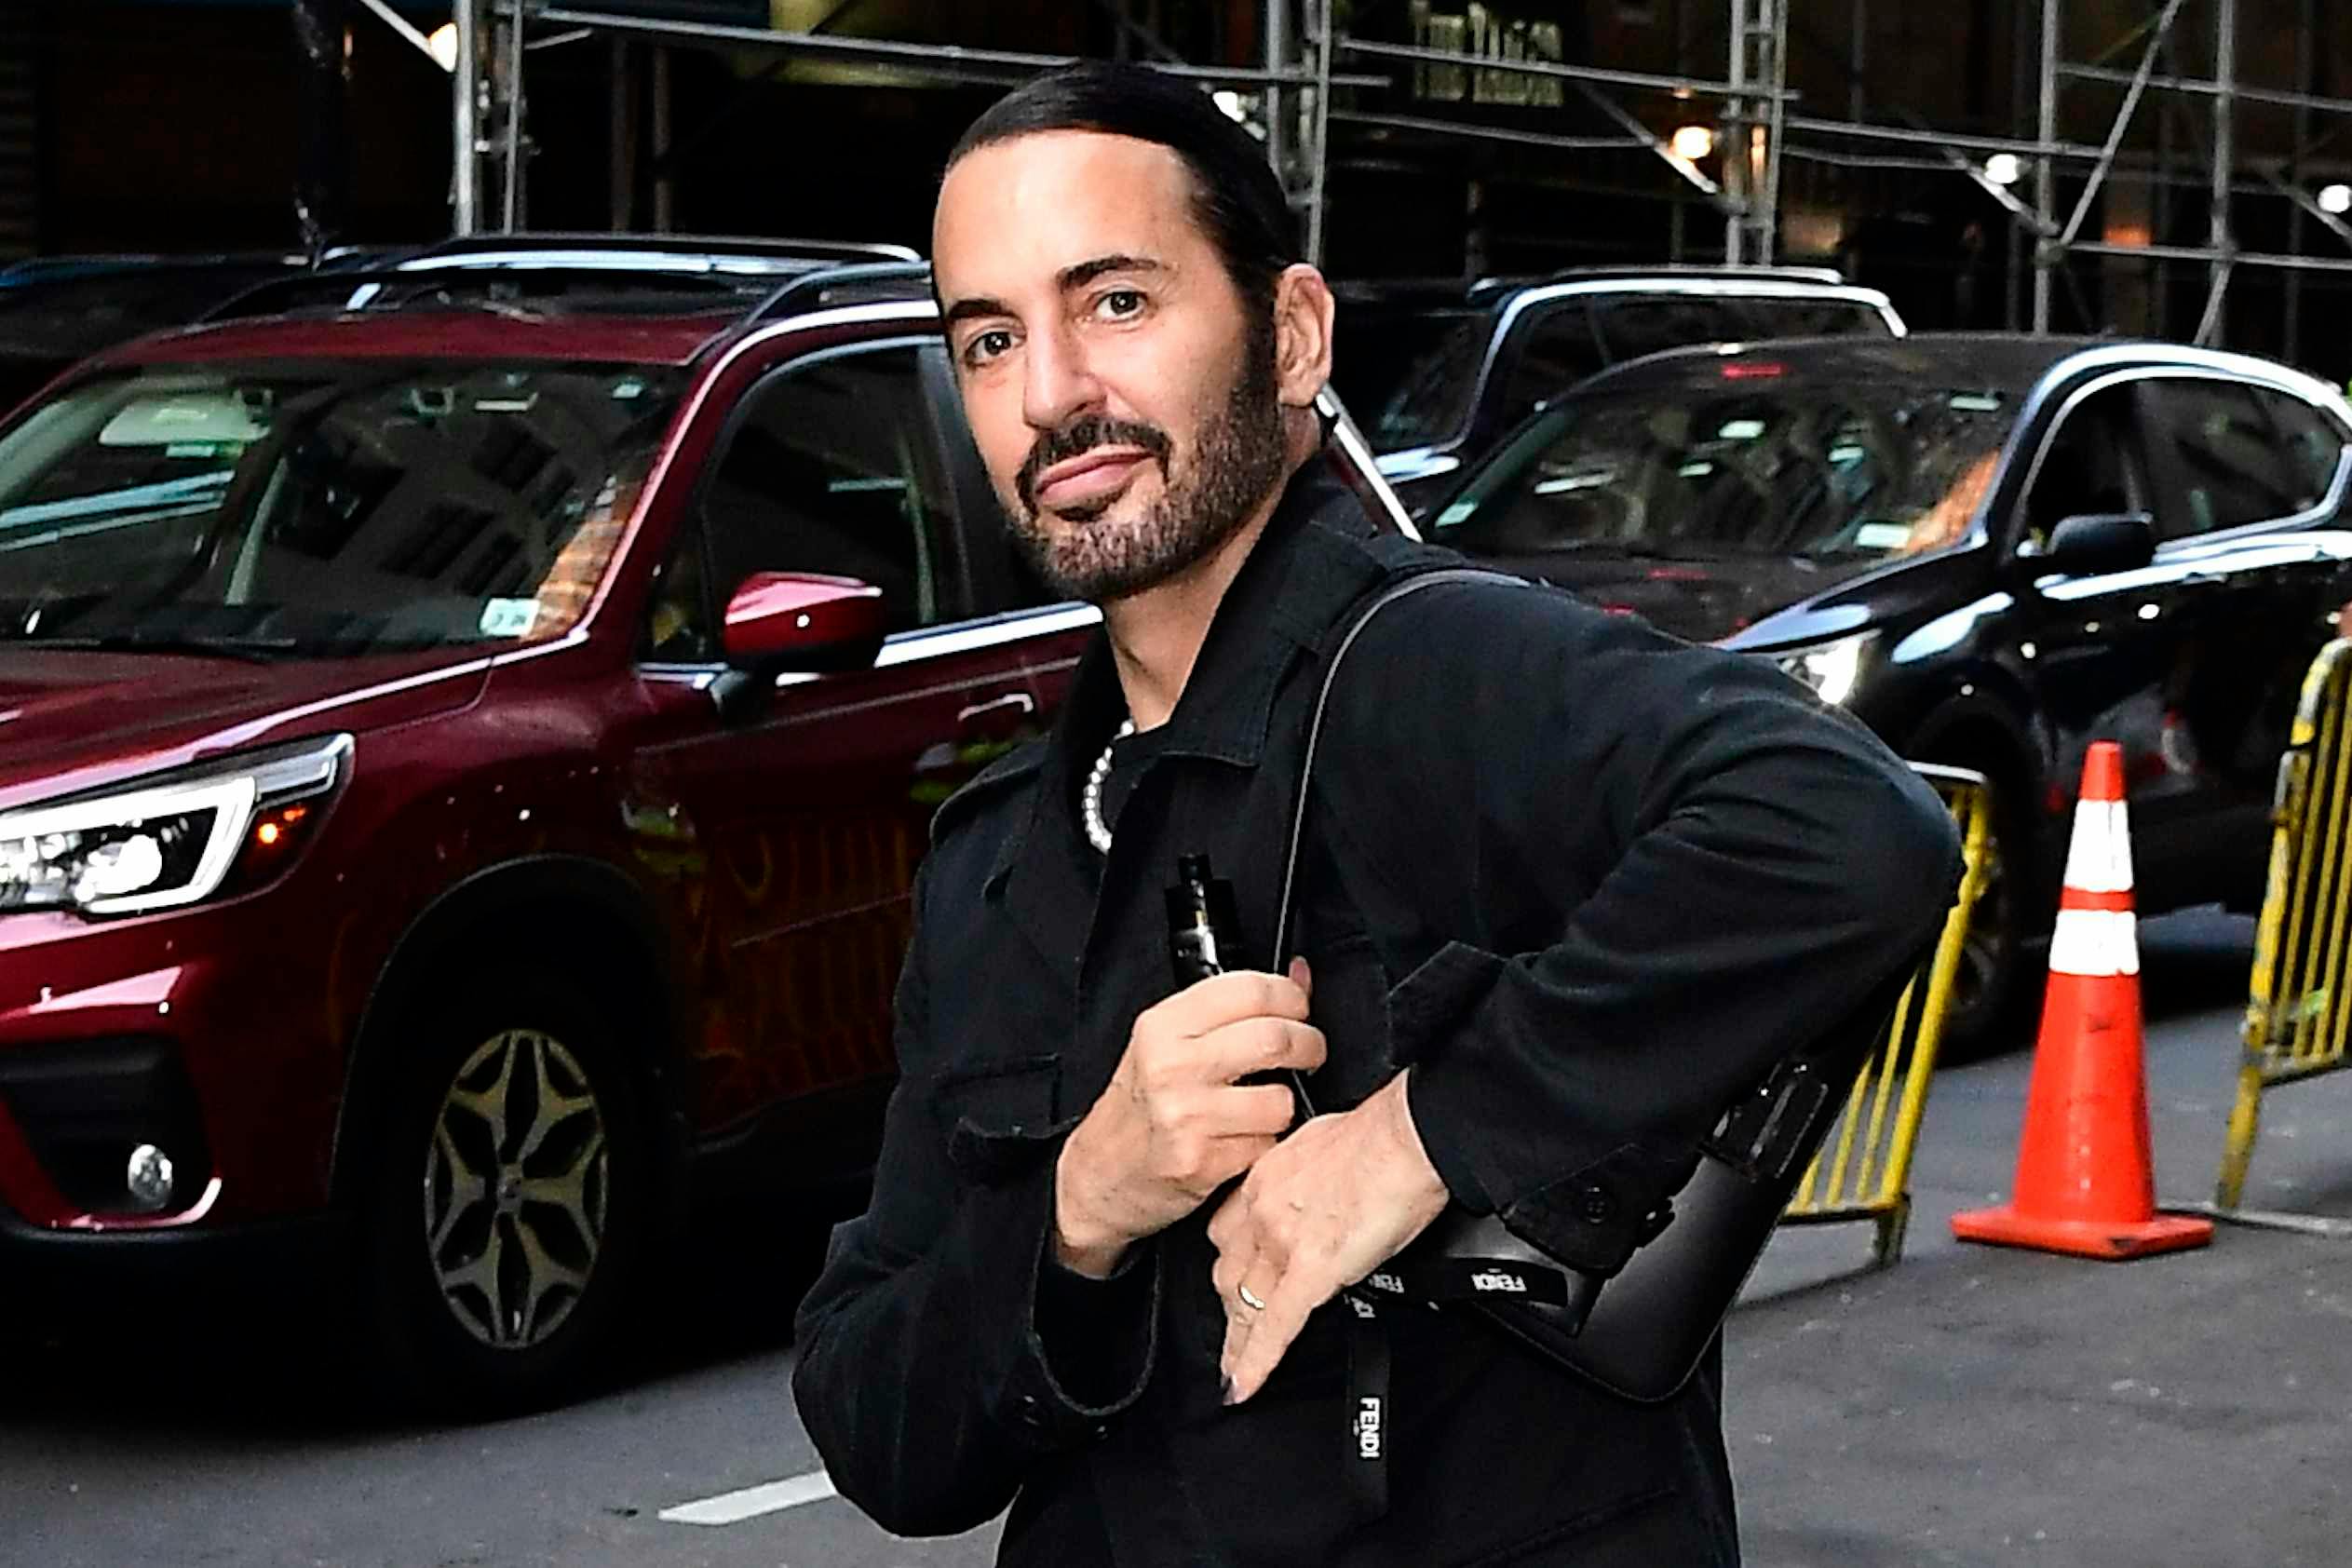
(1595, 1205)
(1033, 1413)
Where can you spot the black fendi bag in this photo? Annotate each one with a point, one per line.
(1641, 1331)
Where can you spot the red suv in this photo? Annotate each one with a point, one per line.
(463, 756)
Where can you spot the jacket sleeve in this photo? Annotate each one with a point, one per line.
(942, 1352)
(1660, 868)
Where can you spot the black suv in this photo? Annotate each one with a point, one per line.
(1994, 550)
(1439, 371)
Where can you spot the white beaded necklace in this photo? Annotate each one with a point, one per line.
(1090, 798)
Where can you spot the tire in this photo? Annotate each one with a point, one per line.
(1994, 987)
(509, 1200)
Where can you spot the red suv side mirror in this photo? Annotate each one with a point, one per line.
(781, 621)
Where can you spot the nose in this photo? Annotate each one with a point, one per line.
(1058, 385)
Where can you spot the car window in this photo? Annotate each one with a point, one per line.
(681, 625)
(2226, 467)
(1632, 328)
(834, 467)
(2085, 469)
(2312, 441)
(1817, 470)
(1409, 373)
(1002, 578)
(325, 507)
(1548, 355)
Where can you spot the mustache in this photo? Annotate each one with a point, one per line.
(1079, 437)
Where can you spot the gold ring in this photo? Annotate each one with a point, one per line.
(1250, 1298)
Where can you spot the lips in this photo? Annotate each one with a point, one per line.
(1094, 477)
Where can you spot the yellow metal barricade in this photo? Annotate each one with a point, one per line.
(1863, 1171)
(2297, 1010)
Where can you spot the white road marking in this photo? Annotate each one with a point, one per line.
(734, 1507)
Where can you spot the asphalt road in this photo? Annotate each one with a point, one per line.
(1971, 1406)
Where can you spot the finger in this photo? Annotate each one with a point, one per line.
(1224, 1157)
(1287, 1303)
(1252, 1299)
(1228, 998)
(1233, 1232)
(1255, 1111)
(1260, 1045)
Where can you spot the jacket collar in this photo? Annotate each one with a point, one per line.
(1307, 566)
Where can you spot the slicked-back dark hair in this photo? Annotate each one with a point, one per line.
(1236, 199)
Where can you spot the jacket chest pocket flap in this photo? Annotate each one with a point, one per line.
(1002, 1119)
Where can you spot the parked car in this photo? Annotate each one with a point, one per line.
(462, 762)
(1992, 550)
(58, 310)
(1440, 373)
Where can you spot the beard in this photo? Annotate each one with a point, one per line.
(1238, 459)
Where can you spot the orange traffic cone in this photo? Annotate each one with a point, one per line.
(2083, 1180)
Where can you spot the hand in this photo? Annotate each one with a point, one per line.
(1335, 1201)
(1173, 1126)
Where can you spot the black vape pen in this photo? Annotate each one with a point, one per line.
(1201, 937)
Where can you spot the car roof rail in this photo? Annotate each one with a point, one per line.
(885, 280)
(746, 298)
(710, 247)
(361, 289)
(1683, 270)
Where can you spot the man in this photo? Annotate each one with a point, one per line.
(1570, 887)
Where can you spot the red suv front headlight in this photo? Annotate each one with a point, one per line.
(174, 840)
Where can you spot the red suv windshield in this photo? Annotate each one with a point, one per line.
(323, 507)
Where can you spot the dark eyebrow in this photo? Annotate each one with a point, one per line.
(1084, 272)
(1073, 276)
(965, 310)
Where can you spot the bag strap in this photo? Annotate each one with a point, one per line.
(1366, 1466)
(1385, 597)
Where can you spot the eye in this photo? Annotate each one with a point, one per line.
(987, 346)
(1119, 303)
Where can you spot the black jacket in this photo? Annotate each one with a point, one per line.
(1584, 881)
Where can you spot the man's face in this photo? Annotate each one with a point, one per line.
(1123, 399)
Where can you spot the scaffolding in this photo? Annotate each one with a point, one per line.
(1316, 78)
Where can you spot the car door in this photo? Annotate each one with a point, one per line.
(801, 824)
(2244, 473)
(2097, 650)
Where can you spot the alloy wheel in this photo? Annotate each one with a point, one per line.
(517, 1183)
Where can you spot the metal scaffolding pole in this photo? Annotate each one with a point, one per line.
(322, 177)
(665, 182)
(2157, 36)
(2049, 255)
(2225, 165)
(622, 83)
(465, 84)
(1279, 104)
(510, 90)
(2306, 41)
(1319, 13)
(946, 62)
(1753, 123)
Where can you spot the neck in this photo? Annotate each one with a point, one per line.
(1155, 635)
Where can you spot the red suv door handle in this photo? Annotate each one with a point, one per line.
(1011, 702)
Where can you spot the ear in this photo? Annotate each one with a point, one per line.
(1303, 310)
